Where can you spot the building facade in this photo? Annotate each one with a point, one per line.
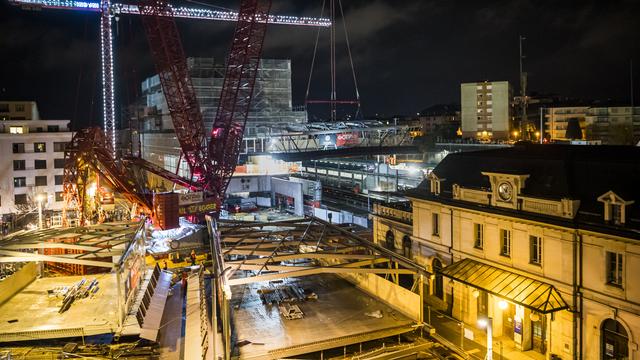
(542, 239)
(615, 125)
(443, 120)
(557, 120)
(619, 125)
(33, 161)
(486, 110)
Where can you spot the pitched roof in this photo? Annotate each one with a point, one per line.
(555, 171)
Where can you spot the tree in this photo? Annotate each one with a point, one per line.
(573, 129)
(620, 134)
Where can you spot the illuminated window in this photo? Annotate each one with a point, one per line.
(16, 130)
(39, 147)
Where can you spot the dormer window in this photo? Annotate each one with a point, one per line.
(434, 183)
(614, 208)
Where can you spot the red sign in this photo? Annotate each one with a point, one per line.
(349, 138)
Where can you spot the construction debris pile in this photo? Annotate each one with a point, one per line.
(77, 291)
(7, 270)
(286, 297)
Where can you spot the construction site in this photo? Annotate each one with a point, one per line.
(177, 280)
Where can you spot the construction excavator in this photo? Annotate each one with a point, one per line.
(211, 159)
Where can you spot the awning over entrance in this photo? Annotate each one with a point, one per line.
(532, 294)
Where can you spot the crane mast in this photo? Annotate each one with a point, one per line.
(171, 65)
(214, 165)
(211, 163)
(237, 92)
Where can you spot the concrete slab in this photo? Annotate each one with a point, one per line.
(38, 318)
(336, 318)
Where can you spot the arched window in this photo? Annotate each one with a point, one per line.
(406, 246)
(614, 340)
(390, 240)
(438, 290)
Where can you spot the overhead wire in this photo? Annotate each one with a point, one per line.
(315, 49)
(353, 69)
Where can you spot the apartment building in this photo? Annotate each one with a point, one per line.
(486, 110)
(613, 125)
(542, 239)
(617, 125)
(32, 164)
(557, 120)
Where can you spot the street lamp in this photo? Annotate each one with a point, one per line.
(39, 199)
(488, 323)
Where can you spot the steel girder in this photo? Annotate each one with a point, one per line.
(88, 151)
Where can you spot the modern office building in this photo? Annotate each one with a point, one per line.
(486, 110)
(33, 159)
(271, 108)
(542, 239)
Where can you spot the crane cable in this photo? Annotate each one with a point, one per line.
(315, 49)
(353, 69)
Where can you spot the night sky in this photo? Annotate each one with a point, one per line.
(409, 54)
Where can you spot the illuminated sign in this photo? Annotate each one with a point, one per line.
(190, 198)
(198, 208)
(350, 138)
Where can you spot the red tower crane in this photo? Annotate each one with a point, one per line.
(212, 163)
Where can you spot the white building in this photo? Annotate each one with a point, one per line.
(542, 239)
(32, 160)
(486, 110)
